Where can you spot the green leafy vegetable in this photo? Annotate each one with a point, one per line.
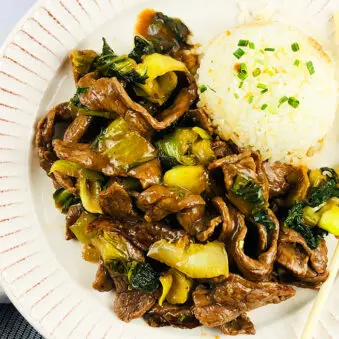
(248, 190)
(294, 220)
(141, 47)
(79, 228)
(108, 64)
(142, 276)
(75, 100)
(262, 217)
(125, 147)
(326, 189)
(73, 169)
(63, 199)
(185, 146)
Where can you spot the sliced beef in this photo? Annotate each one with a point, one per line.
(192, 219)
(116, 202)
(240, 325)
(62, 180)
(83, 155)
(149, 173)
(211, 225)
(259, 265)
(107, 94)
(221, 149)
(133, 304)
(227, 226)
(72, 216)
(247, 165)
(171, 315)
(277, 174)
(77, 128)
(302, 265)
(142, 234)
(102, 282)
(235, 296)
(120, 282)
(45, 132)
(159, 201)
(200, 118)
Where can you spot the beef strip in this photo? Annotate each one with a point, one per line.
(277, 174)
(116, 202)
(73, 214)
(83, 155)
(148, 174)
(171, 315)
(45, 132)
(62, 180)
(107, 94)
(102, 282)
(260, 267)
(227, 226)
(246, 164)
(140, 233)
(221, 149)
(304, 266)
(133, 304)
(120, 282)
(200, 118)
(240, 325)
(235, 296)
(159, 201)
(192, 219)
(77, 128)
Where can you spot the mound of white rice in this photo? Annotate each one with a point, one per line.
(284, 102)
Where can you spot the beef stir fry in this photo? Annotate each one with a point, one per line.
(188, 229)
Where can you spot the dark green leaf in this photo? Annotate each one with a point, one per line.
(141, 47)
(262, 217)
(248, 190)
(143, 277)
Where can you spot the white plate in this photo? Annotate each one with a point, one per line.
(44, 275)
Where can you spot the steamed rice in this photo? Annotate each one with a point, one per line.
(252, 117)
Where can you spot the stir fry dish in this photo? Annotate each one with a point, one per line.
(187, 228)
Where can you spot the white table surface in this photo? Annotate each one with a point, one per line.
(11, 12)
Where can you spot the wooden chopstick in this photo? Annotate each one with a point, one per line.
(322, 296)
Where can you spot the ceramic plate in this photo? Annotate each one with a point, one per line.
(45, 276)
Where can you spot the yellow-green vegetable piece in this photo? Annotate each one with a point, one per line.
(329, 220)
(202, 133)
(73, 169)
(316, 177)
(161, 79)
(111, 247)
(126, 148)
(195, 260)
(80, 226)
(82, 61)
(311, 215)
(203, 152)
(89, 195)
(180, 289)
(193, 178)
(166, 283)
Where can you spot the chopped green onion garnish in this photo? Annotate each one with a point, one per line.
(256, 72)
(243, 43)
(241, 84)
(262, 86)
(236, 95)
(269, 49)
(295, 47)
(203, 88)
(252, 45)
(282, 100)
(250, 99)
(264, 91)
(239, 53)
(242, 74)
(263, 107)
(297, 62)
(293, 102)
(310, 67)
